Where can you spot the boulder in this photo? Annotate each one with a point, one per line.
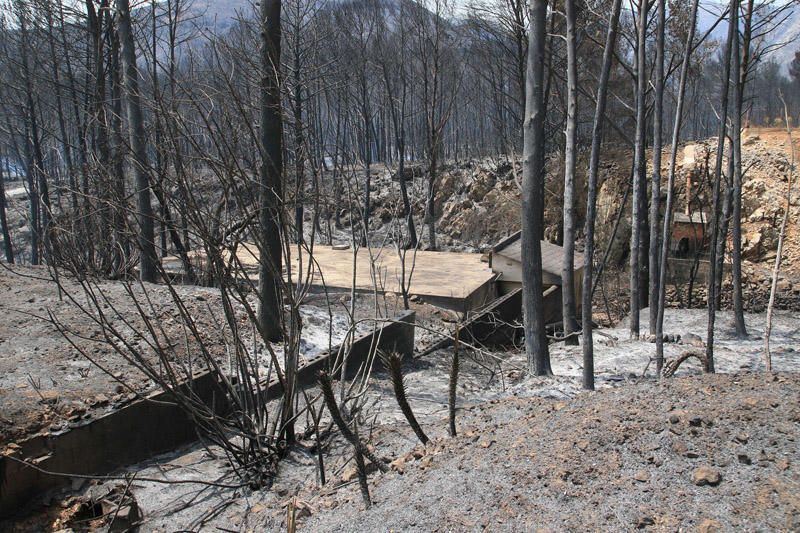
(692, 340)
(758, 242)
(706, 475)
(709, 526)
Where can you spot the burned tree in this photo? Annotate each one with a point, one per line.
(148, 260)
(639, 193)
(718, 238)
(569, 310)
(655, 185)
(660, 303)
(591, 201)
(532, 201)
(270, 173)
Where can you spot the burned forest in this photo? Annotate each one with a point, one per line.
(399, 265)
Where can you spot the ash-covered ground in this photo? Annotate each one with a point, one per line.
(58, 368)
(695, 452)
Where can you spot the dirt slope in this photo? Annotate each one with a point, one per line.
(646, 456)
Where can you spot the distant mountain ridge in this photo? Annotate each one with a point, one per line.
(220, 15)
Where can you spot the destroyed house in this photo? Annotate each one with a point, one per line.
(506, 262)
(688, 234)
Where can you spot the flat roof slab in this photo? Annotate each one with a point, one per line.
(449, 278)
(437, 274)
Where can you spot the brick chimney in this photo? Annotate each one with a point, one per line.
(689, 191)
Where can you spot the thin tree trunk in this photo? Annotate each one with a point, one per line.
(144, 210)
(33, 196)
(724, 223)
(121, 250)
(430, 204)
(715, 215)
(781, 236)
(7, 245)
(398, 112)
(568, 306)
(158, 134)
(299, 141)
(736, 213)
(37, 182)
(77, 117)
(337, 146)
(62, 124)
(100, 24)
(46, 212)
(660, 303)
(655, 187)
(639, 178)
(591, 200)
(367, 162)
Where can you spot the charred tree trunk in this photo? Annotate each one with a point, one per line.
(144, 210)
(62, 123)
(37, 181)
(299, 140)
(655, 186)
(532, 200)
(568, 307)
(397, 111)
(407, 213)
(736, 200)
(79, 119)
(33, 196)
(667, 230)
(271, 172)
(591, 201)
(367, 161)
(337, 190)
(7, 245)
(101, 199)
(160, 167)
(715, 215)
(726, 193)
(430, 204)
(121, 248)
(639, 178)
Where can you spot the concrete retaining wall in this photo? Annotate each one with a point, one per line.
(153, 425)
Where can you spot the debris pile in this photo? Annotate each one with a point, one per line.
(111, 508)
